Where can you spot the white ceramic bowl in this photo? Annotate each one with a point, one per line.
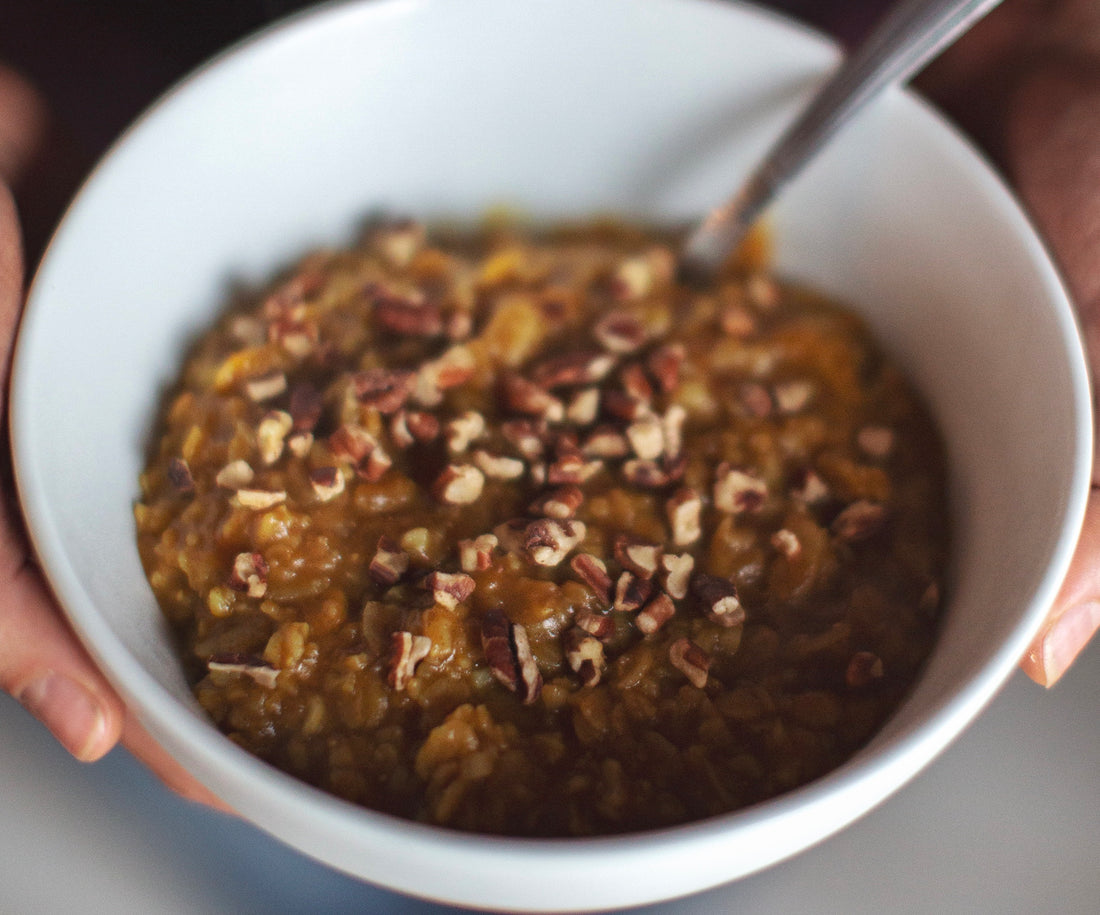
(637, 107)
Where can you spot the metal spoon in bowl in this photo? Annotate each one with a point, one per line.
(908, 37)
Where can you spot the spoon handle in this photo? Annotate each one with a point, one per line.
(908, 37)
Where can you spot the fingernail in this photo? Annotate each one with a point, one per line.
(1066, 637)
(70, 712)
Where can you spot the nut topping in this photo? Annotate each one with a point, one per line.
(812, 489)
(560, 503)
(249, 574)
(631, 592)
(498, 467)
(306, 407)
(384, 389)
(572, 468)
(234, 475)
(647, 437)
(547, 542)
(258, 499)
(737, 491)
(300, 444)
(179, 475)
(327, 482)
(406, 652)
(271, 435)
(390, 562)
(646, 474)
(265, 387)
(574, 368)
(664, 365)
(676, 573)
(459, 484)
(477, 555)
(691, 660)
(407, 317)
(656, 613)
(526, 397)
(620, 332)
(449, 589)
(527, 436)
(859, 521)
(787, 543)
(639, 557)
(719, 599)
(244, 665)
(793, 396)
(600, 625)
(756, 400)
(585, 656)
(351, 444)
(508, 654)
(863, 669)
(593, 572)
(462, 430)
(606, 442)
(684, 509)
(584, 407)
(875, 441)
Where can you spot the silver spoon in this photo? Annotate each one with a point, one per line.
(909, 36)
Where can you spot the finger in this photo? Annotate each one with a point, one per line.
(1076, 613)
(24, 126)
(139, 742)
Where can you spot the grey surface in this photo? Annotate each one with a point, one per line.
(1005, 821)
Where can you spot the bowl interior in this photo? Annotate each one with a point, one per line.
(648, 108)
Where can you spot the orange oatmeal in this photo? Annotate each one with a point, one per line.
(515, 534)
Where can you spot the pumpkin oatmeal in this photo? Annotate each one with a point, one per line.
(516, 534)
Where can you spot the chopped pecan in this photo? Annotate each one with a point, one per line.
(737, 491)
(684, 509)
(606, 442)
(859, 521)
(389, 563)
(624, 406)
(691, 660)
(449, 589)
(664, 365)
(296, 336)
(249, 574)
(375, 466)
(560, 503)
(459, 484)
(508, 655)
(497, 466)
(266, 386)
(737, 321)
(271, 435)
(510, 534)
(477, 555)
(547, 542)
(407, 427)
(572, 368)
(655, 614)
(646, 436)
(527, 436)
(636, 276)
(672, 426)
(384, 389)
(620, 332)
(864, 668)
(327, 482)
(407, 315)
(755, 399)
(235, 475)
(572, 468)
(786, 542)
(179, 475)
(600, 625)
(636, 386)
(453, 367)
(258, 499)
(631, 592)
(811, 489)
(719, 599)
(584, 407)
(585, 656)
(646, 474)
(459, 325)
(351, 444)
(245, 665)
(300, 444)
(793, 396)
(526, 397)
(676, 573)
(306, 406)
(398, 242)
(406, 652)
(465, 428)
(638, 556)
(593, 572)
(875, 441)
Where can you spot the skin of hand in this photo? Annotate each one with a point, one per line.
(1025, 83)
(41, 662)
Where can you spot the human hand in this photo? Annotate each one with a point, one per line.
(41, 662)
(1026, 84)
